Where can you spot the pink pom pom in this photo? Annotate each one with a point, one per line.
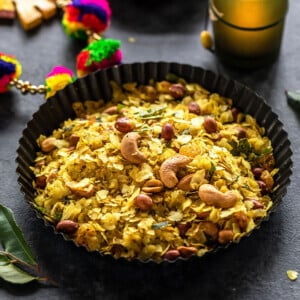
(10, 69)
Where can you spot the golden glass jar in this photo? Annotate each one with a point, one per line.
(248, 33)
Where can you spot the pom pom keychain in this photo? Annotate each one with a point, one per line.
(57, 79)
(82, 19)
(83, 16)
(99, 54)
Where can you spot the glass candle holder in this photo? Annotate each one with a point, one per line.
(247, 33)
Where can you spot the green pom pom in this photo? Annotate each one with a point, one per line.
(101, 49)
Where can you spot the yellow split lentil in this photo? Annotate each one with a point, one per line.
(92, 188)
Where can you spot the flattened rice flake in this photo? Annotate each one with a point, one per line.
(292, 275)
(87, 179)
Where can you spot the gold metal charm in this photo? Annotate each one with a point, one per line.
(26, 87)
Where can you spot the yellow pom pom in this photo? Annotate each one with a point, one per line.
(56, 83)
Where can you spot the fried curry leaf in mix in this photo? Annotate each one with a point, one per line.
(163, 170)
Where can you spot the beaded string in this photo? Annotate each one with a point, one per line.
(82, 20)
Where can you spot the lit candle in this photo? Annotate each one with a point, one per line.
(248, 33)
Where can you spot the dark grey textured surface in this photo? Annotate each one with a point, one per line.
(168, 31)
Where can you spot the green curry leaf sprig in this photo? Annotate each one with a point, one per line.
(241, 147)
(17, 262)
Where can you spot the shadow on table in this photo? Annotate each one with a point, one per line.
(155, 16)
(261, 80)
(7, 107)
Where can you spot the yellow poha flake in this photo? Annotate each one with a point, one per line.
(292, 275)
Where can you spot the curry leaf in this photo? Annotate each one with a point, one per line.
(120, 106)
(172, 77)
(12, 238)
(153, 113)
(160, 225)
(212, 169)
(293, 98)
(11, 273)
(4, 260)
(242, 146)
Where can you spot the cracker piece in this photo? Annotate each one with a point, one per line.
(7, 9)
(31, 13)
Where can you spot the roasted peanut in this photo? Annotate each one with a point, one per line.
(263, 187)
(129, 148)
(153, 186)
(150, 92)
(170, 167)
(185, 183)
(163, 86)
(257, 172)
(143, 202)
(41, 182)
(194, 108)
(51, 177)
(256, 203)
(234, 112)
(202, 215)
(210, 229)
(66, 226)
(74, 139)
(267, 178)
(168, 131)
(171, 254)
(225, 236)
(48, 144)
(177, 90)
(241, 132)
(186, 251)
(241, 219)
(112, 110)
(211, 196)
(210, 125)
(124, 125)
(183, 228)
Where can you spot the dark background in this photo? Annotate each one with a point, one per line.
(163, 31)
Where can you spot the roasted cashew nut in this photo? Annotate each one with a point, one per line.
(212, 196)
(82, 188)
(170, 167)
(129, 148)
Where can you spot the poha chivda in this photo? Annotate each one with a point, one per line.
(164, 170)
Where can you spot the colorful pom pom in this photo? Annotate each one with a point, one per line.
(10, 69)
(57, 79)
(81, 16)
(98, 55)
